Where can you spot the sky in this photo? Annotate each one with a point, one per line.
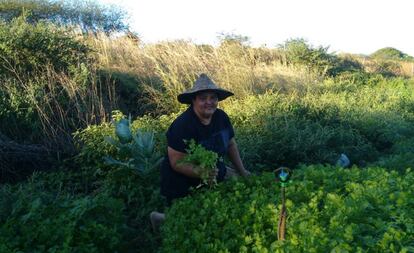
(349, 26)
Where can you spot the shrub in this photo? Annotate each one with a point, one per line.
(274, 130)
(388, 68)
(299, 52)
(132, 193)
(141, 195)
(397, 161)
(48, 89)
(390, 53)
(35, 220)
(345, 63)
(26, 47)
(92, 146)
(138, 188)
(329, 209)
(364, 120)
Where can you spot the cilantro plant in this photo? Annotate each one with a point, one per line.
(203, 160)
(330, 210)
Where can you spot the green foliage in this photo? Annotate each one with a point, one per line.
(26, 47)
(388, 61)
(369, 117)
(126, 197)
(363, 117)
(35, 220)
(140, 195)
(390, 53)
(16, 116)
(122, 131)
(45, 76)
(386, 67)
(317, 59)
(401, 157)
(299, 52)
(93, 146)
(88, 15)
(135, 150)
(397, 161)
(329, 210)
(130, 172)
(128, 87)
(203, 160)
(344, 64)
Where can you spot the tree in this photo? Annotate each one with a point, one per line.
(87, 14)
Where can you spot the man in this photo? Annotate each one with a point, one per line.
(208, 126)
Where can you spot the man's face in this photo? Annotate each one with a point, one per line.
(205, 103)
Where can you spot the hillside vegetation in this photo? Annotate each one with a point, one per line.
(62, 92)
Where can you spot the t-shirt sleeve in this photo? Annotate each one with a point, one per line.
(176, 136)
(229, 126)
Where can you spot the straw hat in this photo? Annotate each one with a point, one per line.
(203, 83)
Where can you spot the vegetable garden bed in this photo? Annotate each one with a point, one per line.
(330, 209)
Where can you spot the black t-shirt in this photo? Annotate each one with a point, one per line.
(215, 137)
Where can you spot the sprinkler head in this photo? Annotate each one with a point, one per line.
(284, 176)
(283, 173)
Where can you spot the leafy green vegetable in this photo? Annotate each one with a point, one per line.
(330, 210)
(136, 151)
(203, 160)
(122, 131)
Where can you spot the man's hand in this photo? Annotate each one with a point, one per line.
(213, 176)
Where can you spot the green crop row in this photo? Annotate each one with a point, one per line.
(329, 209)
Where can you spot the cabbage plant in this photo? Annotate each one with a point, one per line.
(135, 150)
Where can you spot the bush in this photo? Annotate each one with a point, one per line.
(132, 192)
(365, 120)
(388, 68)
(93, 147)
(345, 64)
(35, 220)
(47, 87)
(279, 130)
(390, 53)
(140, 195)
(299, 52)
(26, 48)
(138, 189)
(329, 209)
(397, 161)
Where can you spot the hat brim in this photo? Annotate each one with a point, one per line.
(187, 97)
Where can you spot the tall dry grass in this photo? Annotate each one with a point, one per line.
(165, 69)
(384, 66)
(64, 102)
(407, 68)
(53, 104)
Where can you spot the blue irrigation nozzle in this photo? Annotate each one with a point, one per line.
(343, 161)
(283, 174)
